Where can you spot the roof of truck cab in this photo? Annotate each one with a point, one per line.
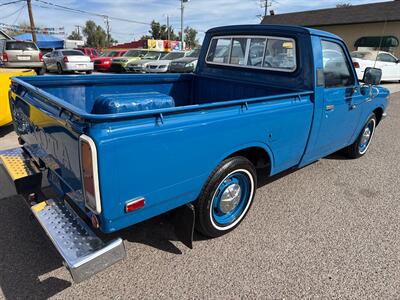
(259, 29)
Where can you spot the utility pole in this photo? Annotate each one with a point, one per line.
(182, 30)
(107, 20)
(168, 29)
(265, 4)
(78, 29)
(182, 34)
(33, 30)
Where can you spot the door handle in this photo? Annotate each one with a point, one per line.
(330, 107)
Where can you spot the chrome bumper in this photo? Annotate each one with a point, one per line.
(84, 253)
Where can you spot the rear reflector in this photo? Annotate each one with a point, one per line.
(356, 64)
(95, 221)
(134, 204)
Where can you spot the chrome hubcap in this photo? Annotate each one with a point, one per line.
(230, 198)
(366, 136)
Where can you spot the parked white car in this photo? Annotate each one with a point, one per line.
(162, 65)
(387, 62)
(66, 60)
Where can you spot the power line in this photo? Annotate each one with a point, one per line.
(12, 2)
(19, 15)
(15, 12)
(65, 8)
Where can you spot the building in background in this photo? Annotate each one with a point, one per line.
(373, 26)
(157, 45)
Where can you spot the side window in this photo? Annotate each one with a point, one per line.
(219, 50)
(386, 58)
(337, 71)
(238, 51)
(256, 52)
(280, 54)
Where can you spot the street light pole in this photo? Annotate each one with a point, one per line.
(168, 29)
(107, 20)
(182, 30)
(182, 33)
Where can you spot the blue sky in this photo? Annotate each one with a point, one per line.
(200, 14)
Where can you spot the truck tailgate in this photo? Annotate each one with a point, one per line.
(51, 136)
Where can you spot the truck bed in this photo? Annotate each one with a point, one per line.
(80, 94)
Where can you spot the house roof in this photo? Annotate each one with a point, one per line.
(367, 13)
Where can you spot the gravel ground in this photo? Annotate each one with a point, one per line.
(329, 230)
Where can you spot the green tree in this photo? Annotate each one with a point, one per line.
(95, 35)
(339, 5)
(74, 36)
(159, 32)
(191, 37)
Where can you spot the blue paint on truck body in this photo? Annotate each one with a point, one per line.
(167, 154)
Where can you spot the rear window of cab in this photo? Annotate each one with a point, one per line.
(260, 52)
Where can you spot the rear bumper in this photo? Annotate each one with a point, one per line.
(84, 253)
(78, 66)
(24, 64)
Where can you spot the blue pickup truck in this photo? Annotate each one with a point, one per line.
(120, 149)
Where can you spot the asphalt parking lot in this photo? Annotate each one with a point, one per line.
(329, 230)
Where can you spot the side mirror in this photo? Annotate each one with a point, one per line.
(372, 76)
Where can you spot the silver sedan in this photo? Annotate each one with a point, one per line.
(65, 60)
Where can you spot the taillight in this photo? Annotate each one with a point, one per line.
(90, 175)
(356, 64)
(40, 56)
(65, 59)
(5, 56)
(134, 204)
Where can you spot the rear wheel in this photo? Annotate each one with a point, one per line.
(226, 197)
(59, 69)
(361, 145)
(89, 72)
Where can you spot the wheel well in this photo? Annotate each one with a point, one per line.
(257, 155)
(378, 114)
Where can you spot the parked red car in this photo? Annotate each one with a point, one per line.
(91, 52)
(103, 62)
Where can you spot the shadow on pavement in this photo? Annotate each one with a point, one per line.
(25, 254)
